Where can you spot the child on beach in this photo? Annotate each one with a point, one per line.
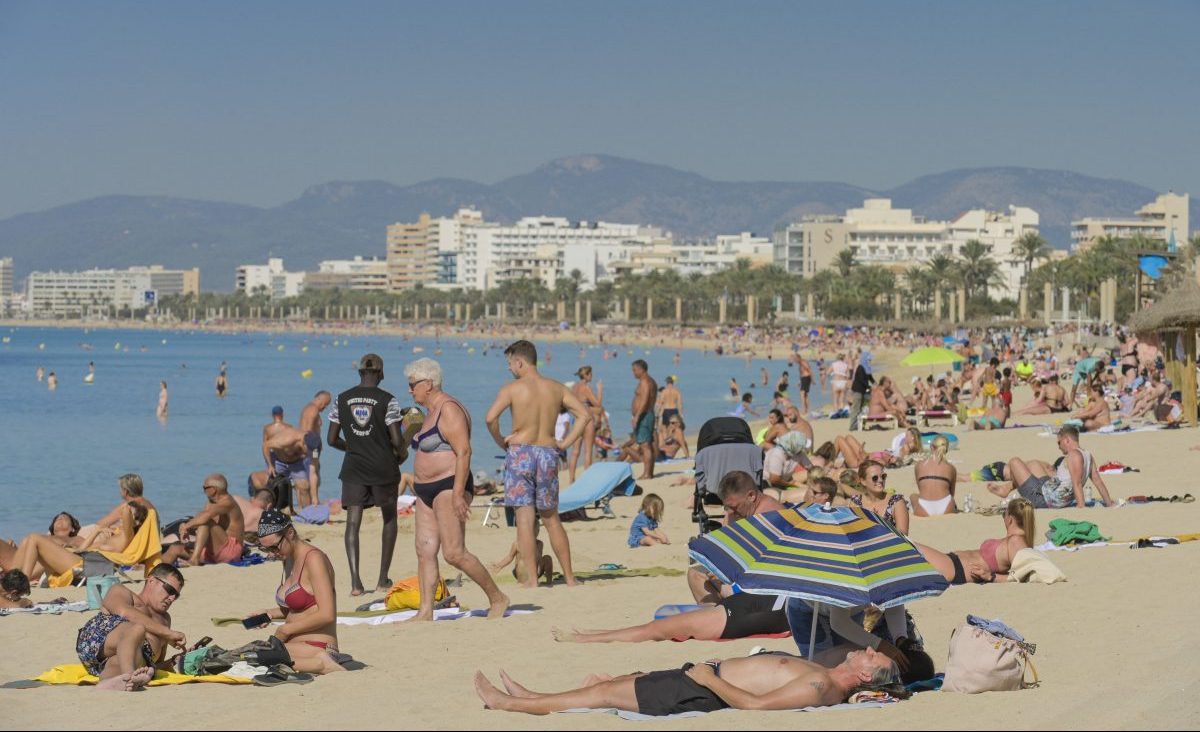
(545, 564)
(644, 530)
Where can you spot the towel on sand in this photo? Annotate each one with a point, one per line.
(450, 613)
(636, 717)
(1065, 531)
(74, 673)
(1030, 565)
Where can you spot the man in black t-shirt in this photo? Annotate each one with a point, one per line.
(365, 423)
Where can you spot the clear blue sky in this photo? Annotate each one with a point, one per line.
(251, 102)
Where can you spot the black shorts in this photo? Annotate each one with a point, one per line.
(1127, 367)
(313, 442)
(429, 491)
(805, 384)
(361, 494)
(747, 615)
(1031, 490)
(660, 693)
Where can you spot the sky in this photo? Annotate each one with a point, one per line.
(254, 102)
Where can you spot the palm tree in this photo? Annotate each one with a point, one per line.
(844, 261)
(1029, 248)
(977, 268)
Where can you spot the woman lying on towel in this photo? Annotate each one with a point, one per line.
(64, 531)
(305, 599)
(993, 559)
(63, 560)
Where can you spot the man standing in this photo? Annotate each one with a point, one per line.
(284, 450)
(805, 380)
(219, 527)
(365, 423)
(122, 644)
(670, 402)
(310, 422)
(643, 416)
(532, 453)
(859, 388)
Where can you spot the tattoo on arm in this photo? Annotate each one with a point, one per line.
(819, 686)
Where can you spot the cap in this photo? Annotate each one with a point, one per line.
(276, 411)
(370, 362)
(272, 521)
(670, 379)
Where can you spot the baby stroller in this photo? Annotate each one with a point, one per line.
(724, 445)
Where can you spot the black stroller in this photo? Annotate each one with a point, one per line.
(724, 445)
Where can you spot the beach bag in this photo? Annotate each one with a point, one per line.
(982, 661)
(406, 594)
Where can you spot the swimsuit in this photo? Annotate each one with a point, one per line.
(313, 442)
(644, 432)
(298, 468)
(89, 644)
(935, 507)
(749, 615)
(531, 476)
(432, 441)
(660, 693)
(987, 550)
(296, 599)
(230, 551)
(427, 492)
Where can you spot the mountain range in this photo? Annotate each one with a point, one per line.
(340, 219)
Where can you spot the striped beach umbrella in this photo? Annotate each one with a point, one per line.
(841, 556)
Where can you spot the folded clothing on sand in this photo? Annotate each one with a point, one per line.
(1030, 565)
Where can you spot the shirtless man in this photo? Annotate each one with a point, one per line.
(763, 681)
(741, 498)
(643, 416)
(285, 450)
(806, 378)
(219, 527)
(122, 643)
(881, 404)
(532, 453)
(252, 508)
(310, 422)
(670, 402)
(1096, 414)
(797, 423)
(1052, 400)
(1150, 396)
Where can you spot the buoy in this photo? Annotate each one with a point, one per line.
(279, 347)
(7, 339)
(304, 349)
(116, 346)
(469, 350)
(41, 346)
(418, 349)
(164, 341)
(306, 373)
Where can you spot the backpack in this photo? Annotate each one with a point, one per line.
(983, 661)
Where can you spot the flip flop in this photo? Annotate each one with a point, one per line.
(1187, 498)
(281, 674)
(611, 566)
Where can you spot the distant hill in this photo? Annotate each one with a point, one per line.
(343, 218)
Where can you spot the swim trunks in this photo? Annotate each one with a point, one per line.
(531, 476)
(660, 693)
(990, 389)
(313, 442)
(230, 551)
(805, 384)
(89, 644)
(644, 432)
(748, 615)
(294, 471)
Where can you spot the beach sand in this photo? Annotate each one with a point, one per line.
(1114, 645)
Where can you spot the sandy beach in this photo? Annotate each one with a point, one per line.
(1113, 649)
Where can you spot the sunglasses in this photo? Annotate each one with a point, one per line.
(413, 384)
(273, 548)
(879, 478)
(170, 589)
(214, 487)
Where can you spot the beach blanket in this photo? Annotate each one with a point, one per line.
(596, 482)
(1065, 531)
(384, 618)
(49, 608)
(74, 674)
(636, 717)
(1030, 565)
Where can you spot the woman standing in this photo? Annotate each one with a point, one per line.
(593, 400)
(444, 486)
(306, 600)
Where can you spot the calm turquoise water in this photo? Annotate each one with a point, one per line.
(65, 449)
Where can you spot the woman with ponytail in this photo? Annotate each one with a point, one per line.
(936, 480)
(992, 561)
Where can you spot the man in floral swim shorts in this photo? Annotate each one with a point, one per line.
(531, 463)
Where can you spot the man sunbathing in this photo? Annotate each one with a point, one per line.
(1096, 414)
(764, 681)
(122, 643)
(219, 527)
(883, 404)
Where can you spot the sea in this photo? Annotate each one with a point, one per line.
(65, 449)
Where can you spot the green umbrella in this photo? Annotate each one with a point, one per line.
(931, 356)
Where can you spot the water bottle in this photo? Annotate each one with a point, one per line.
(970, 506)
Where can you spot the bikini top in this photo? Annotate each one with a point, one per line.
(987, 550)
(295, 598)
(431, 440)
(889, 510)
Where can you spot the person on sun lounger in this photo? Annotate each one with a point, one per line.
(763, 681)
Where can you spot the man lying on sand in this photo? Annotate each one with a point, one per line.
(764, 681)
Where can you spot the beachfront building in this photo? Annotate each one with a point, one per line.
(709, 257)
(363, 274)
(412, 254)
(270, 278)
(99, 291)
(6, 284)
(1165, 219)
(896, 238)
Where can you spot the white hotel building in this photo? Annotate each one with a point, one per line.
(99, 291)
(270, 278)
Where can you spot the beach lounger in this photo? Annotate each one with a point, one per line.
(886, 422)
(937, 418)
(598, 482)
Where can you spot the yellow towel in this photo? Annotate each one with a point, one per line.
(1030, 565)
(145, 548)
(74, 673)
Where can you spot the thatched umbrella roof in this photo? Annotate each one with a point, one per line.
(1179, 308)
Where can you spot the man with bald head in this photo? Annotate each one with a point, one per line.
(219, 527)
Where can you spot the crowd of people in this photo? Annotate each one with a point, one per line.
(557, 426)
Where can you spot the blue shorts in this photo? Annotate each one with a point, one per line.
(313, 442)
(531, 477)
(89, 644)
(293, 471)
(644, 432)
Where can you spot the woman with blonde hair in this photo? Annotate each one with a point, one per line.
(593, 399)
(936, 480)
(875, 498)
(992, 561)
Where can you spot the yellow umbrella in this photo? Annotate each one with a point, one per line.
(931, 356)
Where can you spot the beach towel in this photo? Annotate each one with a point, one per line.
(606, 574)
(596, 482)
(1030, 565)
(74, 674)
(313, 515)
(386, 617)
(48, 608)
(636, 717)
(1065, 531)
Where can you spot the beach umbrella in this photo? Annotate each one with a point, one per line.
(931, 356)
(841, 556)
